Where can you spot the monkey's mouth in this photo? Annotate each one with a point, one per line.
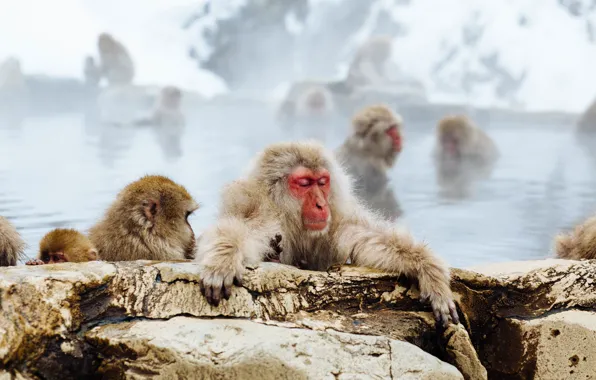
(315, 224)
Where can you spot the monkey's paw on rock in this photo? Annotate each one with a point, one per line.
(149, 319)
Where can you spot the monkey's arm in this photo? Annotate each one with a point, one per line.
(382, 247)
(241, 237)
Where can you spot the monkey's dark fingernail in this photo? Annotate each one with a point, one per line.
(454, 315)
(216, 295)
(227, 292)
(208, 294)
(445, 320)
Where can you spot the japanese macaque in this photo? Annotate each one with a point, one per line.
(115, 62)
(91, 72)
(64, 245)
(307, 102)
(463, 153)
(11, 76)
(167, 109)
(11, 244)
(148, 220)
(372, 149)
(587, 122)
(368, 65)
(578, 244)
(297, 197)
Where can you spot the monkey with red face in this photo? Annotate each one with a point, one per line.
(299, 192)
(369, 152)
(463, 154)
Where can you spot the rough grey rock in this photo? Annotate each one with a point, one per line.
(194, 348)
(49, 315)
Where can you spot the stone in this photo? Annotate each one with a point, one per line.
(50, 314)
(558, 346)
(194, 348)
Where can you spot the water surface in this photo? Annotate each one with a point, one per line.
(63, 171)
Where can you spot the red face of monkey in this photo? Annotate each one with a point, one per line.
(312, 189)
(395, 138)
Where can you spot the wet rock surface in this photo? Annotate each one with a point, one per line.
(148, 319)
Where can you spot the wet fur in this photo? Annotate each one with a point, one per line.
(367, 155)
(478, 154)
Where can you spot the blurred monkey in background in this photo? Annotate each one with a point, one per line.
(463, 153)
(369, 152)
(115, 61)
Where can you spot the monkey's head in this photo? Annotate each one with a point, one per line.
(66, 245)
(170, 97)
(378, 48)
(304, 181)
(378, 132)
(105, 42)
(454, 134)
(316, 99)
(158, 208)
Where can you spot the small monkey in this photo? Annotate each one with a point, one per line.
(91, 72)
(12, 81)
(372, 149)
(578, 244)
(167, 109)
(147, 221)
(11, 244)
(587, 122)
(299, 192)
(64, 245)
(462, 154)
(368, 65)
(308, 102)
(115, 62)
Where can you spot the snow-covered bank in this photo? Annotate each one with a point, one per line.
(53, 37)
(530, 54)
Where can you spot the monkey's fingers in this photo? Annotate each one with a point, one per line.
(216, 295)
(453, 312)
(34, 262)
(238, 279)
(443, 310)
(227, 286)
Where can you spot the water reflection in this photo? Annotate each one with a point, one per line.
(62, 171)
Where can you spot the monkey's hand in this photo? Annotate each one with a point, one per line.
(218, 275)
(34, 262)
(441, 301)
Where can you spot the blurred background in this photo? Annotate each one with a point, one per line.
(523, 70)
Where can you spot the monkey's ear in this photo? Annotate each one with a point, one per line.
(92, 254)
(150, 208)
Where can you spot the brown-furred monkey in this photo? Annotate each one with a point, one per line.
(299, 192)
(463, 154)
(115, 62)
(369, 152)
(578, 244)
(64, 245)
(147, 221)
(11, 244)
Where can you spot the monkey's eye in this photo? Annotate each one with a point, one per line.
(323, 181)
(304, 182)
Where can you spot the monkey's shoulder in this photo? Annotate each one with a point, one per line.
(242, 198)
